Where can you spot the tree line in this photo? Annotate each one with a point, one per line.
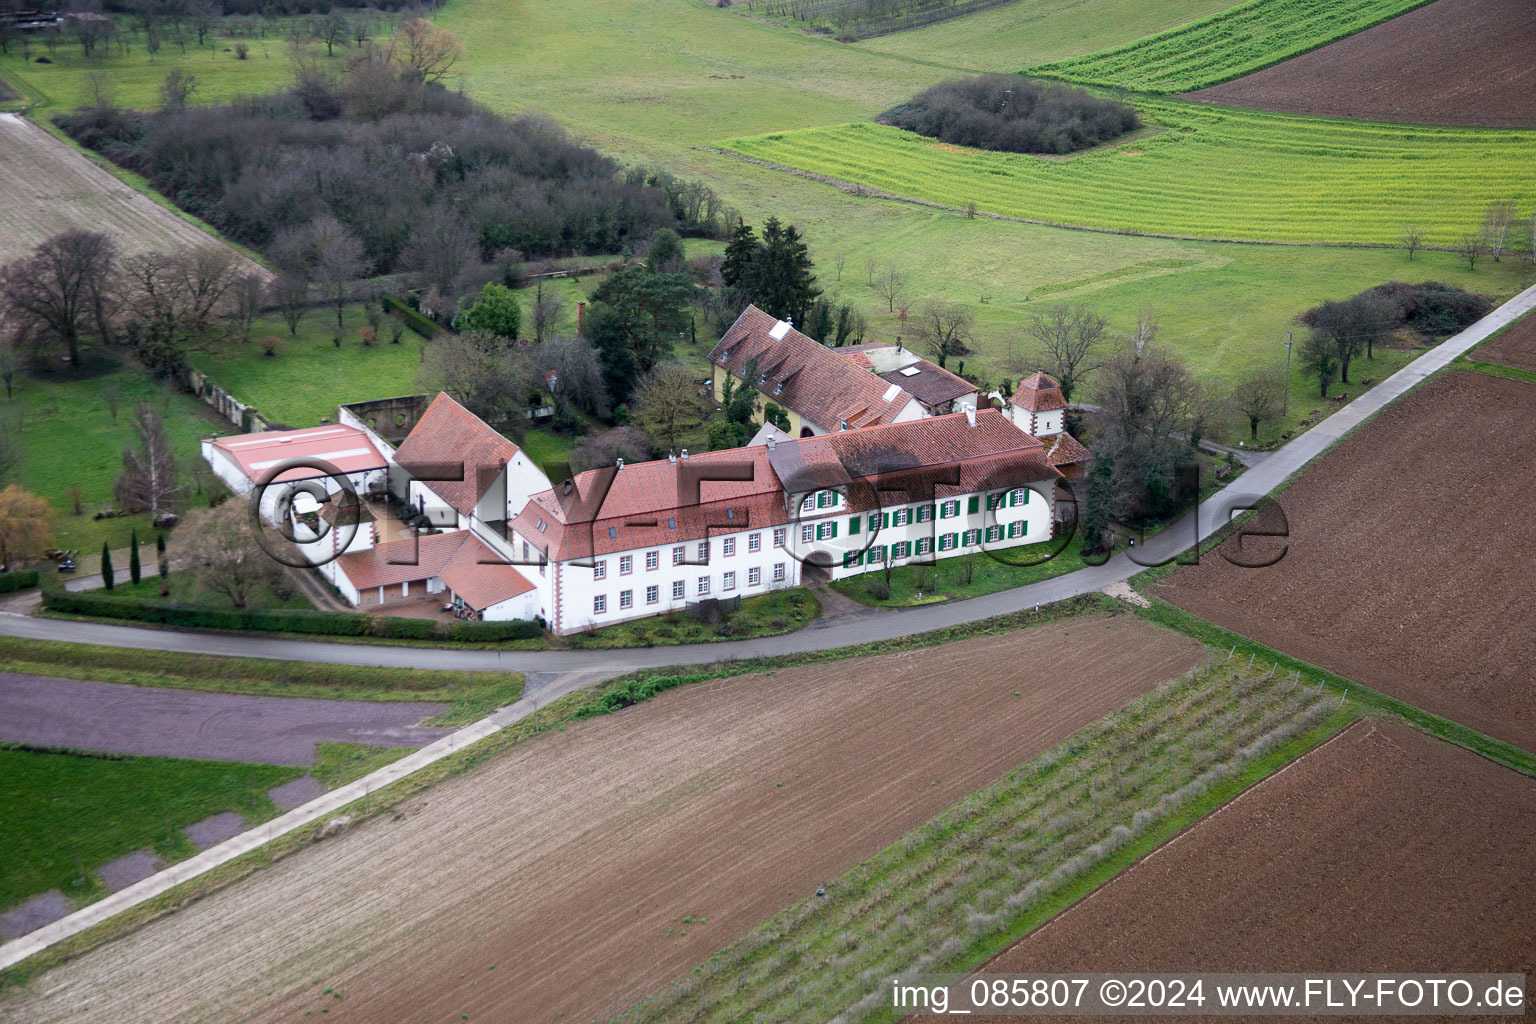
(394, 173)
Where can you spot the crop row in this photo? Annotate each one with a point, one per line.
(1001, 858)
(1225, 46)
(1207, 172)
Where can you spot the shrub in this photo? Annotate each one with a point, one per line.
(414, 320)
(879, 590)
(10, 582)
(1014, 115)
(493, 631)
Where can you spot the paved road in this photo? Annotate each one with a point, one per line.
(1259, 480)
(160, 722)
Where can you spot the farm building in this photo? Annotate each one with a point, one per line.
(1038, 408)
(936, 389)
(456, 565)
(245, 461)
(628, 541)
(462, 471)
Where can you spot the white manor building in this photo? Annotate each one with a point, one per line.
(630, 541)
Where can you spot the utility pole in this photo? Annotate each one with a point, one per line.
(1285, 402)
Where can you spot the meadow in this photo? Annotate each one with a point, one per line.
(62, 816)
(1226, 45)
(1210, 173)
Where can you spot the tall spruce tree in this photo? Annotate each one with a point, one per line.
(106, 566)
(774, 273)
(134, 569)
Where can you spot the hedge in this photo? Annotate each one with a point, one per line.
(414, 320)
(10, 582)
(279, 620)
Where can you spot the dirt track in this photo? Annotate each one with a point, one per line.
(1515, 346)
(1458, 62)
(570, 861)
(1384, 850)
(50, 188)
(1410, 558)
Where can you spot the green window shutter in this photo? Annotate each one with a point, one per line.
(874, 521)
(885, 520)
(847, 559)
(972, 505)
(1013, 498)
(834, 531)
(853, 525)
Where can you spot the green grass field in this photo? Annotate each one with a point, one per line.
(1226, 45)
(63, 816)
(945, 580)
(1027, 32)
(68, 439)
(1212, 172)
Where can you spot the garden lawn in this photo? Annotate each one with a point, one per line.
(779, 611)
(1235, 42)
(68, 439)
(309, 376)
(1213, 173)
(63, 816)
(184, 588)
(552, 452)
(945, 579)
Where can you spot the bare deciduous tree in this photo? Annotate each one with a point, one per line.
(944, 330)
(150, 477)
(177, 88)
(246, 294)
(548, 307)
(442, 245)
(1071, 340)
(54, 295)
(890, 287)
(1472, 245)
(427, 51)
(1412, 239)
(180, 292)
(1257, 397)
(289, 293)
(667, 402)
(1496, 225)
(577, 369)
(480, 371)
(227, 556)
(8, 368)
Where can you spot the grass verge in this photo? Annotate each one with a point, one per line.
(946, 579)
(473, 695)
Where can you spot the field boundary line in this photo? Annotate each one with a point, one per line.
(20, 949)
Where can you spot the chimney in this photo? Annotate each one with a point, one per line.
(581, 316)
(685, 453)
(621, 462)
(970, 416)
(672, 458)
(772, 442)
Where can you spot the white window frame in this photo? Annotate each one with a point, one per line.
(652, 559)
(703, 550)
(626, 564)
(807, 533)
(755, 542)
(754, 576)
(600, 604)
(653, 594)
(728, 582)
(728, 546)
(901, 517)
(600, 569)
(809, 504)
(779, 534)
(679, 590)
(703, 585)
(679, 554)
(778, 572)
(626, 599)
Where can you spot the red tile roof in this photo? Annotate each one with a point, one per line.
(1038, 393)
(806, 376)
(1064, 450)
(635, 504)
(346, 448)
(471, 569)
(449, 435)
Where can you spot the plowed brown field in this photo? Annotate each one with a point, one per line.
(1514, 346)
(49, 188)
(571, 862)
(1410, 558)
(1384, 850)
(1458, 62)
